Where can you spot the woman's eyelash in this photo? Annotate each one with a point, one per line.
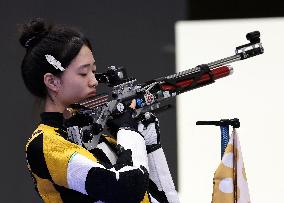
(84, 74)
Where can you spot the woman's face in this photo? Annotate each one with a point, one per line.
(78, 81)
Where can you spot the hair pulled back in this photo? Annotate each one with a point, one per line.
(40, 39)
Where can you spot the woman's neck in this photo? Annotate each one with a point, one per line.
(53, 106)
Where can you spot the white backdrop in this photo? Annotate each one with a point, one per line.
(254, 94)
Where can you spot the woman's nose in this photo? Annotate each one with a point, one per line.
(93, 81)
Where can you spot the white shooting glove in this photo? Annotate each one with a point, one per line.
(149, 128)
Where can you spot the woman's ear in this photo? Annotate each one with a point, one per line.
(52, 82)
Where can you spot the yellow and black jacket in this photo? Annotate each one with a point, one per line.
(65, 172)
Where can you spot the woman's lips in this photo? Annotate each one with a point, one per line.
(88, 96)
(92, 94)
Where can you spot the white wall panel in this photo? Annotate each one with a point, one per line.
(254, 94)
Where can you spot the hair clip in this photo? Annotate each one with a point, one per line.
(27, 44)
(56, 64)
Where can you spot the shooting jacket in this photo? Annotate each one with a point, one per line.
(65, 172)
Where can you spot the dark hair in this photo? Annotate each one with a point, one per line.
(40, 39)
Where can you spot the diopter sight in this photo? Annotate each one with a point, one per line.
(251, 49)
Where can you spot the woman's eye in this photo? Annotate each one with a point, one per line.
(83, 74)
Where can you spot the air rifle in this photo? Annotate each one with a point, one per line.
(150, 95)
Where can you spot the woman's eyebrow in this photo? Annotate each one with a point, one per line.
(86, 65)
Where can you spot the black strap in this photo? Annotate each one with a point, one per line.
(153, 147)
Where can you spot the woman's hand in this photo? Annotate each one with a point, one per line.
(149, 128)
(123, 120)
